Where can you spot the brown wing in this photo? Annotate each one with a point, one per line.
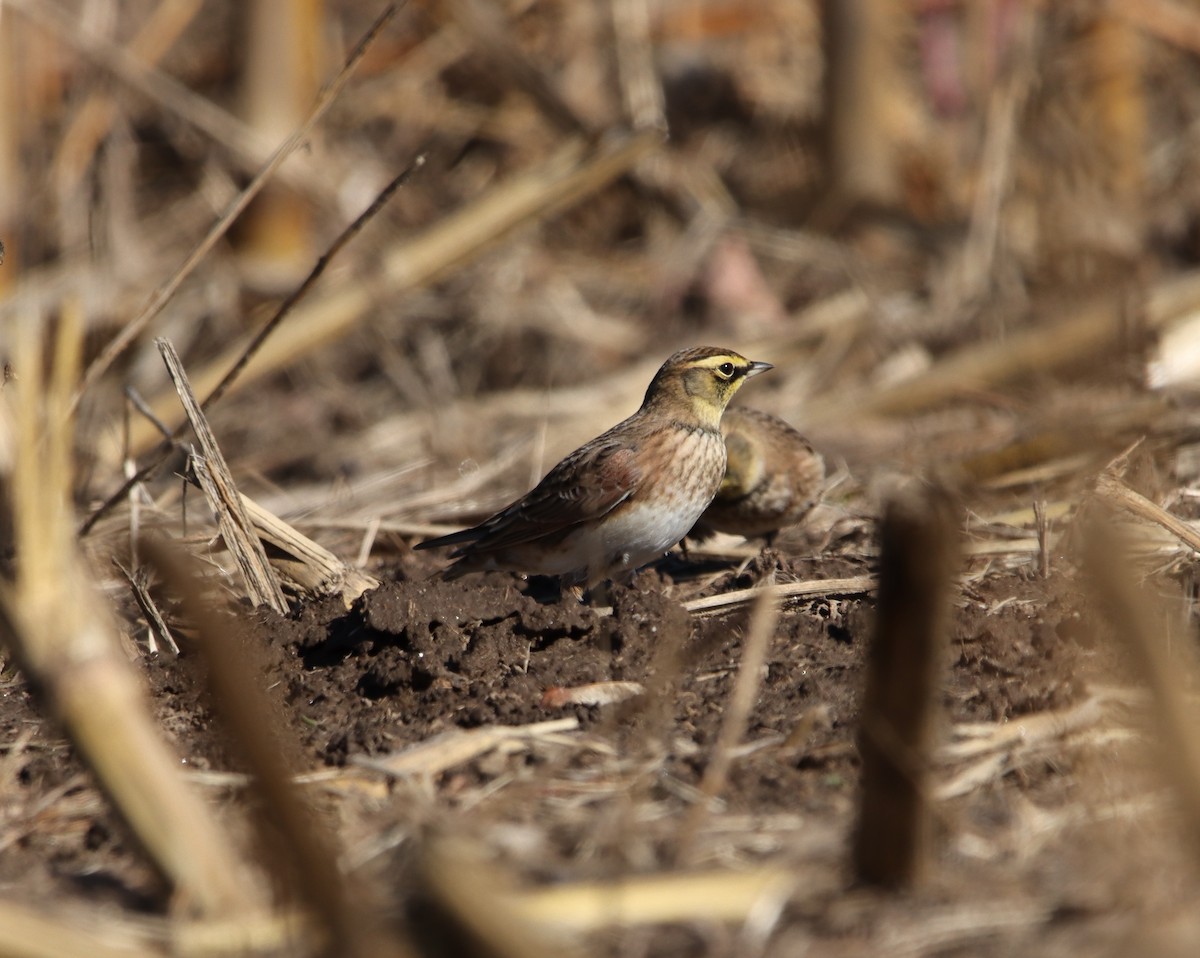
(590, 482)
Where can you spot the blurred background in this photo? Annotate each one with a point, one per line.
(965, 232)
(958, 223)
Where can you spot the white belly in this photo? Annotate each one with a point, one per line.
(640, 532)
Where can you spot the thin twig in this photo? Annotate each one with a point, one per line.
(221, 491)
(1043, 536)
(139, 403)
(575, 170)
(310, 280)
(145, 601)
(135, 327)
(1114, 491)
(459, 746)
(789, 590)
(164, 448)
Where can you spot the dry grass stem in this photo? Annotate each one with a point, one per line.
(67, 646)
(154, 85)
(157, 625)
(918, 555)
(1095, 329)
(474, 903)
(1113, 491)
(304, 853)
(1026, 516)
(25, 933)
(755, 644)
(280, 932)
(989, 770)
(1166, 668)
(1061, 449)
(1114, 51)
(1044, 472)
(305, 565)
(970, 740)
(1043, 536)
(577, 169)
(995, 749)
(971, 273)
(445, 751)
(867, 98)
(1008, 547)
(370, 533)
(640, 88)
(246, 353)
(959, 927)
(727, 601)
(285, 53)
(702, 896)
(216, 480)
(290, 301)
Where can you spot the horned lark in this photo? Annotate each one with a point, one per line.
(627, 496)
(773, 477)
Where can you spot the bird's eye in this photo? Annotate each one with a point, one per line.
(726, 370)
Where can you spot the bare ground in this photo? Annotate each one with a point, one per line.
(1066, 843)
(1010, 314)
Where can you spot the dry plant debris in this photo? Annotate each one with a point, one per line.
(966, 236)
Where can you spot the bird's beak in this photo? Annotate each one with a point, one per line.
(756, 368)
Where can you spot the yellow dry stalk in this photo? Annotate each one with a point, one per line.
(67, 642)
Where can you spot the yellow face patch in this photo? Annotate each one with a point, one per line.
(710, 381)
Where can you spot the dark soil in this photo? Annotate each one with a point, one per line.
(418, 657)
(966, 237)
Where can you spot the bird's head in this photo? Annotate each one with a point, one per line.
(698, 383)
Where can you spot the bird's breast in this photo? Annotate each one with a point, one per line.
(683, 470)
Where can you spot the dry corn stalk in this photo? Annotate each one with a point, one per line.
(68, 648)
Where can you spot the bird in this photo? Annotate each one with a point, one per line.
(773, 477)
(626, 497)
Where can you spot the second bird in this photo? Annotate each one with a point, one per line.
(773, 477)
(627, 496)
